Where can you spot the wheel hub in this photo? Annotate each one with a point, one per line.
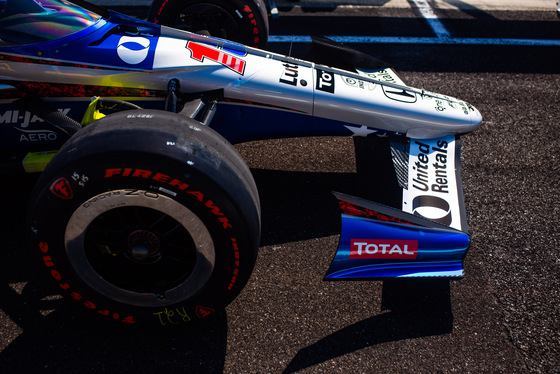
(155, 251)
(143, 246)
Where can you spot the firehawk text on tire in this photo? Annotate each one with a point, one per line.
(242, 21)
(147, 217)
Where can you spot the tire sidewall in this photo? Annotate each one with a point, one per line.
(88, 175)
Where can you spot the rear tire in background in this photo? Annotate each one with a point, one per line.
(148, 218)
(242, 21)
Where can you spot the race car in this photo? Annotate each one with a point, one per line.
(146, 214)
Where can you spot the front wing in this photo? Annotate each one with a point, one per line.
(427, 237)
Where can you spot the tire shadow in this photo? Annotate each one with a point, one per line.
(299, 205)
(67, 340)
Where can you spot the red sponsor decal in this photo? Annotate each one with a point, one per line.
(61, 188)
(383, 249)
(358, 211)
(203, 311)
(175, 183)
(236, 269)
(201, 51)
(44, 89)
(247, 9)
(49, 263)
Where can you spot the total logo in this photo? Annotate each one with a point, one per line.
(133, 50)
(324, 81)
(383, 249)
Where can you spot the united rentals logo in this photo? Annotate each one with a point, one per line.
(432, 182)
(200, 51)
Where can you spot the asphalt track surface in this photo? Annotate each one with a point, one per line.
(502, 317)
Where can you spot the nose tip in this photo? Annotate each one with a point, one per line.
(475, 116)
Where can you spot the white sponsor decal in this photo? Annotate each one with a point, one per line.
(358, 83)
(385, 75)
(399, 94)
(432, 185)
(37, 135)
(23, 118)
(324, 81)
(133, 50)
(289, 74)
(383, 249)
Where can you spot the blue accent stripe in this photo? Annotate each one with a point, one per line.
(419, 40)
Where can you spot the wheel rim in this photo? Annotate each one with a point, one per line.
(206, 18)
(139, 247)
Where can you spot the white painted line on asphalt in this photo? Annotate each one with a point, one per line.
(419, 40)
(494, 5)
(430, 16)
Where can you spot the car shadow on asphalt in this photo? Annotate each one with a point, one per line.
(299, 206)
(414, 309)
(49, 334)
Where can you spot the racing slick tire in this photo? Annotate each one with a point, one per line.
(148, 218)
(242, 21)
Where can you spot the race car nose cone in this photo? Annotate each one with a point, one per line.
(475, 116)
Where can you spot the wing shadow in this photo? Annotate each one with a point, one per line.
(415, 309)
